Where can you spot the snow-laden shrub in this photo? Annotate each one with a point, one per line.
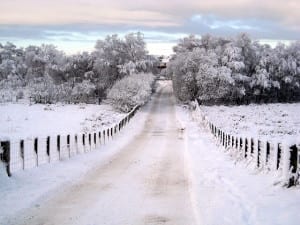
(132, 90)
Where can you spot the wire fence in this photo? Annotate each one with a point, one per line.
(29, 153)
(263, 154)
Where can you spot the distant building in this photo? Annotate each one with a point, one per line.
(163, 60)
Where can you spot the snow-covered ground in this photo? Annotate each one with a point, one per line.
(28, 188)
(229, 193)
(221, 191)
(23, 120)
(268, 121)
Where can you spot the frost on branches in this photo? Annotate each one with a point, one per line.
(130, 91)
(235, 70)
(44, 74)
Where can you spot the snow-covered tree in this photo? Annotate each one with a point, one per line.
(234, 70)
(130, 91)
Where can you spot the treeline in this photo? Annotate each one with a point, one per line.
(46, 75)
(218, 70)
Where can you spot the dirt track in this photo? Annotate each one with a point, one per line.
(145, 183)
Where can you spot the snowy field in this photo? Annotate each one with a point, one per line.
(23, 120)
(269, 121)
(31, 187)
(230, 193)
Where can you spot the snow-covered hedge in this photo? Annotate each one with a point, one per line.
(130, 91)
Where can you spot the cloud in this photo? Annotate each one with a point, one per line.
(162, 21)
(147, 13)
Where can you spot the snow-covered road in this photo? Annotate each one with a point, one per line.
(145, 183)
(163, 168)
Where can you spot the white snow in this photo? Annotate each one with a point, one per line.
(26, 188)
(268, 121)
(229, 193)
(222, 190)
(22, 120)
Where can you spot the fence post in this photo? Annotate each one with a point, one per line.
(48, 148)
(278, 158)
(104, 136)
(293, 165)
(241, 144)
(227, 140)
(99, 137)
(58, 144)
(223, 138)
(245, 147)
(68, 145)
(268, 150)
(36, 148)
(89, 142)
(108, 134)
(22, 154)
(251, 146)
(96, 141)
(259, 149)
(5, 155)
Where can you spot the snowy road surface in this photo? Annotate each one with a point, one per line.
(145, 183)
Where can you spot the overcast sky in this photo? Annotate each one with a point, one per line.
(75, 25)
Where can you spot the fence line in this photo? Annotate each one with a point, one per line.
(32, 152)
(278, 157)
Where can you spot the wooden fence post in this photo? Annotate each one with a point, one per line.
(245, 147)
(251, 146)
(293, 165)
(279, 153)
(22, 154)
(259, 150)
(36, 149)
(241, 144)
(99, 137)
(5, 155)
